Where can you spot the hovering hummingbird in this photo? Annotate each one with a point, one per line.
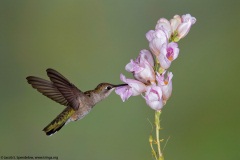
(78, 103)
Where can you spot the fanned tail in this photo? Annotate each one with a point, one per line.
(59, 121)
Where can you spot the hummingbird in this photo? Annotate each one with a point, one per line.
(61, 90)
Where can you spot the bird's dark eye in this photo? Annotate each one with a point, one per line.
(108, 87)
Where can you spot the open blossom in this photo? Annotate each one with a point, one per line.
(169, 52)
(142, 67)
(181, 25)
(156, 39)
(153, 97)
(133, 88)
(164, 25)
(165, 84)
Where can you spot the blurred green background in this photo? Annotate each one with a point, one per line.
(91, 42)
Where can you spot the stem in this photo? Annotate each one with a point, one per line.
(156, 65)
(151, 144)
(158, 69)
(157, 124)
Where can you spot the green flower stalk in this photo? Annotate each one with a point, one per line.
(157, 124)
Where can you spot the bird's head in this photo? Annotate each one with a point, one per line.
(104, 89)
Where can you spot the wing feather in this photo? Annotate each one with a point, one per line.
(69, 91)
(48, 89)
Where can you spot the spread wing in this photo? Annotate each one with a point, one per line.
(58, 89)
(48, 89)
(69, 91)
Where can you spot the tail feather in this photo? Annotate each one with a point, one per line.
(59, 121)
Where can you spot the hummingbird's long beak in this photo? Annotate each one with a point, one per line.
(119, 85)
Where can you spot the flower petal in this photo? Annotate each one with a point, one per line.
(175, 22)
(183, 29)
(165, 84)
(150, 35)
(123, 78)
(142, 67)
(124, 92)
(162, 58)
(133, 67)
(147, 55)
(136, 87)
(188, 17)
(153, 97)
(164, 25)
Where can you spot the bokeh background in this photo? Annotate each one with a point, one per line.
(91, 42)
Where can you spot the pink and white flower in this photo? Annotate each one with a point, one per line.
(133, 88)
(165, 84)
(156, 88)
(169, 52)
(156, 39)
(142, 67)
(181, 26)
(164, 25)
(153, 97)
(175, 22)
